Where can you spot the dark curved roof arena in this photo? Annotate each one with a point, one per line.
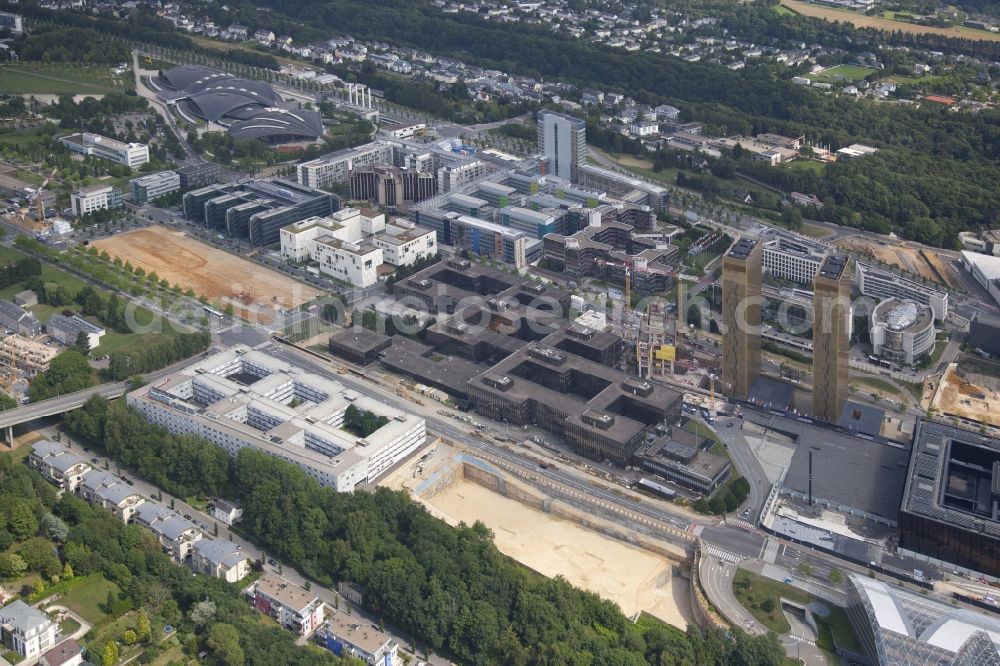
(249, 108)
(275, 122)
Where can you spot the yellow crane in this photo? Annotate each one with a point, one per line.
(39, 204)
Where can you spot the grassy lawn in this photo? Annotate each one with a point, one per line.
(21, 139)
(784, 11)
(806, 165)
(876, 384)
(845, 73)
(60, 78)
(761, 596)
(86, 600)
(12, 657)
(242, 46)
(836, 624)
(175, 653)
(68, 626)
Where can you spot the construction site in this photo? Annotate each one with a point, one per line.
(926, 265)
(544, 529)
(226, 279)
(967, 396)
(32, 218)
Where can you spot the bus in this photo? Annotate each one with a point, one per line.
(213, 312)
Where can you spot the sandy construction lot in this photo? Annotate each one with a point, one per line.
(635, 579)
(958, 397)
(902, 257)
(881, 23)
(213, 273)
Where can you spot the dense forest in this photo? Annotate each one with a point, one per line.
(449, 587)
(66, 540)
(947, 146)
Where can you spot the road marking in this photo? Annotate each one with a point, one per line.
(802, 639)
(724, 555)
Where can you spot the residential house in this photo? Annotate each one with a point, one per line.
(225, 512)
(58, 465)
(26, 630)
(348, 636)
(13, 318)
(67, 653)
(110, 493)
(289, 605)
(221, 559)
(175, 533)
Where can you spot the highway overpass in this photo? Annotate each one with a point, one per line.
(59, 405)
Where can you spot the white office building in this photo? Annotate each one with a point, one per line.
(98, 197)
(341, 244)
(792, 258)
(132, 155)
(882, 284)
(241, 397)
(403, 243)
(354, 263)
(563, 141)
(324, 171)
(902, 331)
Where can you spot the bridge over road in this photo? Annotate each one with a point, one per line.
(58, 405)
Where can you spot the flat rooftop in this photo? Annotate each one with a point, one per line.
(742, 248)
(288, 595)
(357, 632)
(864, 474)
(833, 266)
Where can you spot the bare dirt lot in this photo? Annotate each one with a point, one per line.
(212, 273)
(633, 578)
(881, 23)
(957, 396)
(903, 257)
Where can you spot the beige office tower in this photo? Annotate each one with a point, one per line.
(741, 311)
(831, 336)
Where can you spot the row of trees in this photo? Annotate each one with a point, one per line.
(19, 271)
(161, 351)
(66, 537)
(449, 587)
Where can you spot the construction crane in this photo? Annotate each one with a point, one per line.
(38, 203)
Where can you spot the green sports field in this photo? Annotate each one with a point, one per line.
(61, 79)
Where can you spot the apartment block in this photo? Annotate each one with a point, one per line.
(111, 494)
(26, 630)
(66, 330)
(58, 465)
(289, 605)
(327, 170)
(220, 558)
(347, 636)
(176, 534)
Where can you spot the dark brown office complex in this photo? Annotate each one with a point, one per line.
(742, 266)
(392, 187)
(602, 413)
(831, 336)
(951, 501)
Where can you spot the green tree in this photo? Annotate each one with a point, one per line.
(12, 566)
(129, 637)
(109, 655)
(142, 627)
(224, 642)
(21, 520)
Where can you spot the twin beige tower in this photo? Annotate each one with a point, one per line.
(742, 267)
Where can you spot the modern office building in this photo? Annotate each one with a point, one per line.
(482, 237)
(619, 186)
(392, 188)
(792, 257)
(741, 316)
(403, 243)
(356, 263)
(882, 284)
(97, 197)
(13, 22)
(902, 331)
(132, 155)
(563, 141)
(198, 175)
(154, 186)
(897, 626)
(245, 398)
(831, 336)
(535, 223)
(289, 605)
(949, 507)
(327, 170)
(257, 210)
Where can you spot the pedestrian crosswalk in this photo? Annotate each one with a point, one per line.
(724, 555)
(800, 639)
(743, 524)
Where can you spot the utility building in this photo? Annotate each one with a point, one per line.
(831, 336)
(741, 316)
